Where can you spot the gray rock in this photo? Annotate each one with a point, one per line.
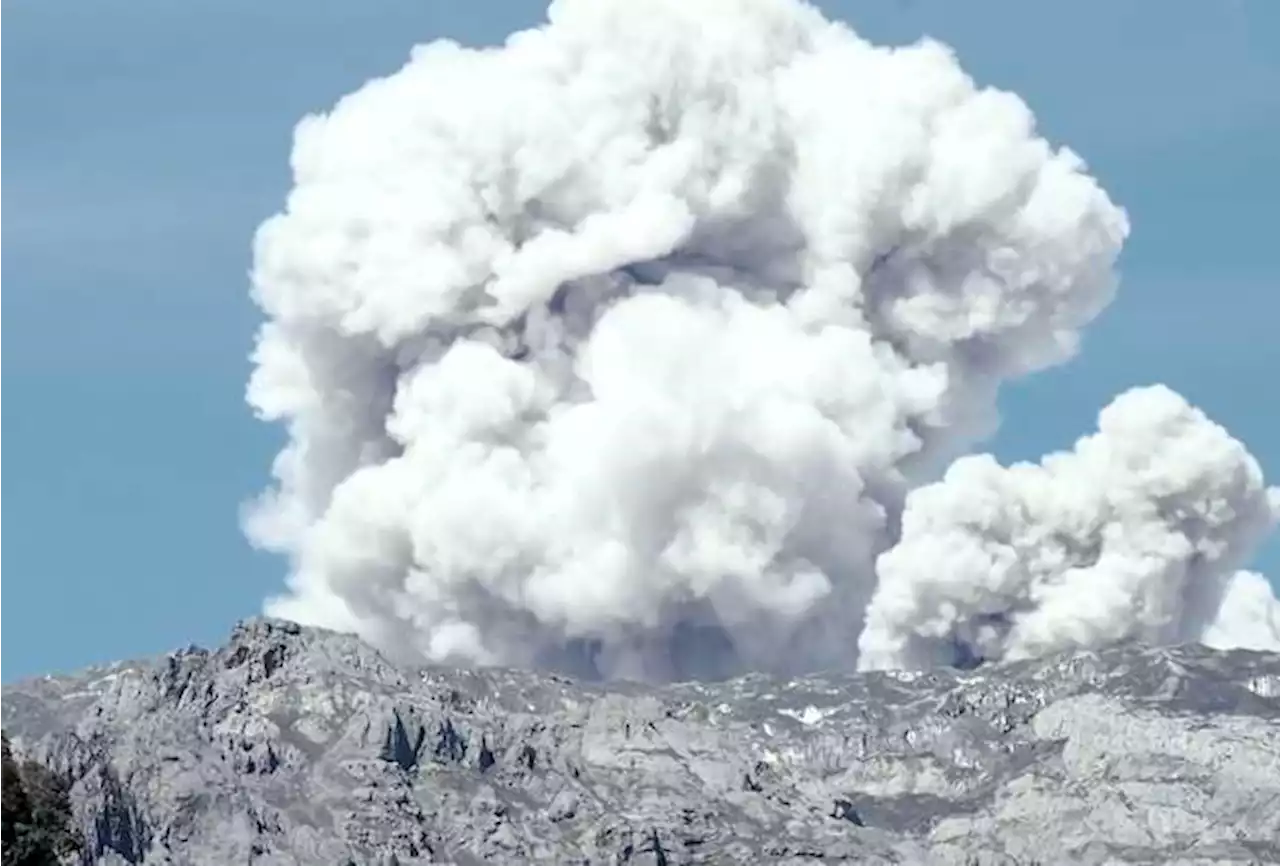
(301, 746)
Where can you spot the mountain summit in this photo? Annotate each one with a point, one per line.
(303, 746)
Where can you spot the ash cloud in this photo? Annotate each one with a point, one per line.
(1136, 533)
(620, 347)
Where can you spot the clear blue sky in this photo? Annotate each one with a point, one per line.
(145, 139)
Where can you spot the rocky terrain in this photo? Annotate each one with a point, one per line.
(301, 746)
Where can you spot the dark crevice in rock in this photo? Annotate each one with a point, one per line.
(485, 758)
(450, 745)
(118, 825)
(653, 845)
(843, 810)
(400, 747)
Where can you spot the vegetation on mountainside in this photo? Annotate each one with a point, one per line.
(37, 819)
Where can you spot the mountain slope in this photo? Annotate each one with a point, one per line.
(292, 745)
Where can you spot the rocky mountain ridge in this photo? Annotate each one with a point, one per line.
(291, 745)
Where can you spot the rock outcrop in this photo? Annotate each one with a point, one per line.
(300, 746)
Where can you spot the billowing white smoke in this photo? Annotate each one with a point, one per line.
(1136, 533)
(617, 348)
(1249, 616)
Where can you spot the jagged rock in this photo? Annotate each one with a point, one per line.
(293, 745)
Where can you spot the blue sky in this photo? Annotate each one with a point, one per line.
(144, 141)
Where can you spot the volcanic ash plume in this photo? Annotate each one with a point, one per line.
(617, 348)
(1136, 533)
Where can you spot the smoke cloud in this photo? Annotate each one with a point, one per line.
(1136, 533)
(619, 348)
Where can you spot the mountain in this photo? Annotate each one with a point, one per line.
(302, 746)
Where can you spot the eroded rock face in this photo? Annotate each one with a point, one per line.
(292, 745)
